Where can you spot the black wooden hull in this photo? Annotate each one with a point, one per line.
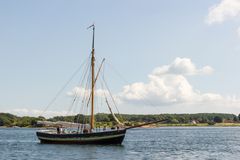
(107, 137)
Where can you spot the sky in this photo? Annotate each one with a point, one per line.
(170, 56)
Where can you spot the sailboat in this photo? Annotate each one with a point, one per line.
(85, 133)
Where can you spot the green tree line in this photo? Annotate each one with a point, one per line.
(10, 120)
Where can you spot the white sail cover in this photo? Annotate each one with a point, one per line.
(62, 124)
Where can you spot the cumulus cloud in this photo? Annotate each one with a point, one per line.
(160, 90)
(182, 66)
(223, 11)
(168, 85)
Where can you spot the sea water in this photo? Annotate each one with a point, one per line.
(165, 143)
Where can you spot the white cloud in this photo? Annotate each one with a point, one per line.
(161, 89)
(223, 11)
(168, 85)
(182, 66)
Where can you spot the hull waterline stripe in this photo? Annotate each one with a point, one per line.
(81, 138)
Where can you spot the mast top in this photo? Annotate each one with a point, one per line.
(93, 27)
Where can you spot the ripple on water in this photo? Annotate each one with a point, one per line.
(165, 143)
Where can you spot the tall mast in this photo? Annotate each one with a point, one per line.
(93, 79)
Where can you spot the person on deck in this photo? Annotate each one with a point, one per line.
(58, 130)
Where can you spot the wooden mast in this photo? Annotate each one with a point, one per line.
(93, 79)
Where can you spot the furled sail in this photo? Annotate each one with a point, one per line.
(114, 117)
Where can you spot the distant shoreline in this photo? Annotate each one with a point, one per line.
(194, 125)
(161, 125)
(103, 119)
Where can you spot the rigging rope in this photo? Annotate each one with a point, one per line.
(64, 86)
(76, 94)
(114, 103)
(84, 99)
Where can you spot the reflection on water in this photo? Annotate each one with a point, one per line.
(160, 143)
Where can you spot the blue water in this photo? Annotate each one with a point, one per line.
(160, 143)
